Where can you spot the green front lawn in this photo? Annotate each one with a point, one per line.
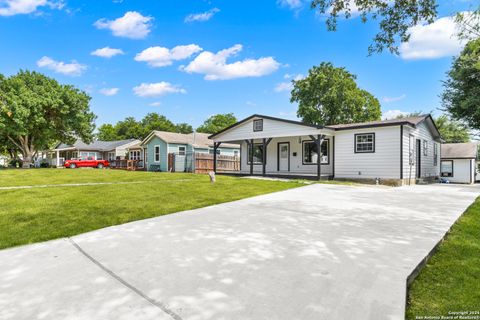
(451, 279)
(39, 214)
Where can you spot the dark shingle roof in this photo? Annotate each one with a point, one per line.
(95, 145)
(409, 120)
(459, 150)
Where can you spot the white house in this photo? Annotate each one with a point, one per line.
(397, 151)
(459, 162)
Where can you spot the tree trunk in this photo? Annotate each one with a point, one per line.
(27, 159)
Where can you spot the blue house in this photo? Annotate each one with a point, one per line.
(159, 144)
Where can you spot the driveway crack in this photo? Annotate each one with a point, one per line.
(157, 304)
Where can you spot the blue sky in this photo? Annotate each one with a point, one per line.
(194, 59)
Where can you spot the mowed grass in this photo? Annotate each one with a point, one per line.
(39, 214)
(451, 279)
(33, 177)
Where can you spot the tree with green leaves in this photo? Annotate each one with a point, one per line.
(461, 96)
(468, 24)
(107, 132)
(129, 128)
(395, 16)
(184, 128)
(452, 131)
(37, 111)
(330, 95)
(154, 121)
(217, 123)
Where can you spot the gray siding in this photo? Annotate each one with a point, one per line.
(383, 163)
(427, 167)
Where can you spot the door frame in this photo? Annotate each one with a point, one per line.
(278, 155)
(418, 159)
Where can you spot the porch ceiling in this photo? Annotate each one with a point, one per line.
(267, 135)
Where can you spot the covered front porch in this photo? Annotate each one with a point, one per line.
(281, 148)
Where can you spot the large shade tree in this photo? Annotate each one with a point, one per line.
(217, 123)
(37, 111)
(330, 95)
(395, 17)
(461, 97)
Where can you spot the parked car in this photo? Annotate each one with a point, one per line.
(88, 162)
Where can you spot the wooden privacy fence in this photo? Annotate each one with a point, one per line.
(204, 163)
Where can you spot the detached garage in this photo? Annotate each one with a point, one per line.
(458, 162)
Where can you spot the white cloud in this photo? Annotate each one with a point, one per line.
(291, 4)
(155, 104)
(205, 16)
(392, 114)
(70, 69)
(215, 66)
(161, 57)
(106, 52)
(132, 25)
(109, 91)
(432, 41)
(288, 85)
(157, 89)
(394, 99)
(14, 7)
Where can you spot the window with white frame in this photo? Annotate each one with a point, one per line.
(157, 153)
(365, 143)
(134, 155)
(446, 168)
(435, 154)
(258, 125)
(181, 151)
(111, 156)
(310, 153)
(425, 147)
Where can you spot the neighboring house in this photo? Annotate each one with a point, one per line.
(97, 150)
(459, 162)
(397, 151)
(159, 144)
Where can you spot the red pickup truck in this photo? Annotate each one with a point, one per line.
(88, 162)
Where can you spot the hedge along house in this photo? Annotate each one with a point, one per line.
(459, 162)
(397, 151)
(159, 144)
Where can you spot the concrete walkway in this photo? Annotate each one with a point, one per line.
(316, 252)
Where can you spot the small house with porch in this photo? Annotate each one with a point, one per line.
(166, 150)
(97, 150)
(397, 151)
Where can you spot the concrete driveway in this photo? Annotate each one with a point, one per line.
(316, 252)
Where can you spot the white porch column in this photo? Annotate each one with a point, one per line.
(58, 158)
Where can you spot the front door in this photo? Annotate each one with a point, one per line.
(284, 156)
(419, 159)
